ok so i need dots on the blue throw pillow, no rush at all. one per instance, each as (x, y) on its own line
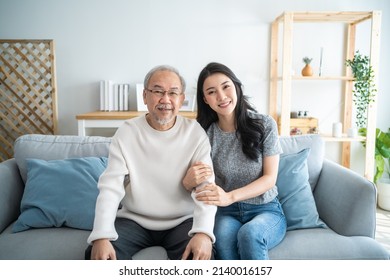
(60, 193)
(295, 193)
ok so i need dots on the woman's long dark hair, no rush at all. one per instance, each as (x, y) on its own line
(251, 130)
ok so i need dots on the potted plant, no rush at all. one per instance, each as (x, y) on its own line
(382, 166)
(307, 70)
(364, 93)
(364, 87)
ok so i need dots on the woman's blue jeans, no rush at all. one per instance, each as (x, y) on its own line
(247, 231)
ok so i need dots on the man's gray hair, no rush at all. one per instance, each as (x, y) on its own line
(164, 68)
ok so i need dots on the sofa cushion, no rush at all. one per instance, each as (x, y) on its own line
(50, 147)
(295, 193)
(325, 244)
(44, 244)
(294, 144)
(60, 193)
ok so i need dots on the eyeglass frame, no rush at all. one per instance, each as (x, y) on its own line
(160, 93)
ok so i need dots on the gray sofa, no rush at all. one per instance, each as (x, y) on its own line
(345, 203)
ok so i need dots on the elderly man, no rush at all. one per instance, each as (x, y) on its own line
(148, 159)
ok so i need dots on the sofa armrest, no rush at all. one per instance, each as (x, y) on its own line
(11, 192)
(346, 201)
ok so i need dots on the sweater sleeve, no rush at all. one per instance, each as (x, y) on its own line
(204, 215)
(111, 191)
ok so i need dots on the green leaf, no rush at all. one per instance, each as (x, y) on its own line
(380, 167)
(382, 151)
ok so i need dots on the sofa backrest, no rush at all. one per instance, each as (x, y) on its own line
(295, 144)
(50, 147)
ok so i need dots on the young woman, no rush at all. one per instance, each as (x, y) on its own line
(245, 153)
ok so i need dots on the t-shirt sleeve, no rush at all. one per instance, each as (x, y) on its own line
(271, 144)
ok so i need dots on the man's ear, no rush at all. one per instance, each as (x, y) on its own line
(144, 96)
(182, 98)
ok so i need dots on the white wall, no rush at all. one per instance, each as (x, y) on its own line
(122, 39)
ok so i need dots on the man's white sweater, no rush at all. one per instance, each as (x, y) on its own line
(154, 162)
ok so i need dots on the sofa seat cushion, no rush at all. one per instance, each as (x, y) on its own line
(151, 253)
(325, 244)
(57, 244)
(44, 244)
(60, 193)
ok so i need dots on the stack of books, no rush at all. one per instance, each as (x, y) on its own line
(113, 96)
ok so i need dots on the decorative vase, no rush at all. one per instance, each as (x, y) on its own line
(383, 186)
(307, 70)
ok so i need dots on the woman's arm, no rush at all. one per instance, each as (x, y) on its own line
(215, 195)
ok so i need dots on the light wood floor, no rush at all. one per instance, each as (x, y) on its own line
(383, 227)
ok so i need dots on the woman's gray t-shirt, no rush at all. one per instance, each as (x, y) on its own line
(233, 169)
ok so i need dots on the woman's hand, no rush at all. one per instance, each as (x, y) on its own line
(196, 174)
(214, 195)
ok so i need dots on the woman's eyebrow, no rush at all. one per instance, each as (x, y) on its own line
(221, 85)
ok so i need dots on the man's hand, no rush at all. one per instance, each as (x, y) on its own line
(196, 174)
(102, 249)
(200, 246)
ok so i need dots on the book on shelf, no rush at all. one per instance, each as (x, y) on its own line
(126, 90)
(114, 96)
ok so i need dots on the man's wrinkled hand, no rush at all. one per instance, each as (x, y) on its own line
(200, 246)
(102, 249)
(198, 173)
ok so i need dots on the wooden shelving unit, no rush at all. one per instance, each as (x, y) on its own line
(351, 20)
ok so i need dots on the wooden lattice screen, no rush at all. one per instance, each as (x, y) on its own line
(28, 98)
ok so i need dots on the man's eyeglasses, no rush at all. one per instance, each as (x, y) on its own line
(160, 93)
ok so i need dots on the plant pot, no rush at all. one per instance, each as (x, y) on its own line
(307, 70)
(383, 186)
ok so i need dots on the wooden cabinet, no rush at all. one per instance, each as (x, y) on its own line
(302, 125)
(283, 84)
(112, 119)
